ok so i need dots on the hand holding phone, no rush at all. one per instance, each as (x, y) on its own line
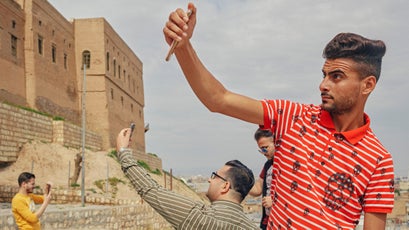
(175, 43)
(47, 188)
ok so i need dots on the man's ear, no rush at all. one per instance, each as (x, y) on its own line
(226, 187)
(368, 84)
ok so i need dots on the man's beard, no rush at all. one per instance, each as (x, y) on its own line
(337, 108)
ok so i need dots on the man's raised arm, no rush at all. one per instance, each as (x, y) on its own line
(207, 88)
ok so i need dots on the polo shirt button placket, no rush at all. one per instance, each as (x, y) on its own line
(328, 150)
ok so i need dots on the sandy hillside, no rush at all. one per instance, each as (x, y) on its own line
(53, 162)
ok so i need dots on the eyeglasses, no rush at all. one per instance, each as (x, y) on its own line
(263, 149)
(214, 174)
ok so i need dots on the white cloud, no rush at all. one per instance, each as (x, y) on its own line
(263, 49)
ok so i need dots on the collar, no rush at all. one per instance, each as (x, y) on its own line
(227, 204)
(352, 136)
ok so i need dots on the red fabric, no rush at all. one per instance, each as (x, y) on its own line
(323, 179)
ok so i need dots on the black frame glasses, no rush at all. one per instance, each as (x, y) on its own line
(214, 175)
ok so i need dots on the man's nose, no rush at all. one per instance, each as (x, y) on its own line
(324, 84)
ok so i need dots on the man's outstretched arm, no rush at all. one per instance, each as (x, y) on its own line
(206, 87)
(173, 207)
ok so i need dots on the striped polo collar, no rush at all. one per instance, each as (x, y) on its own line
(352, 136)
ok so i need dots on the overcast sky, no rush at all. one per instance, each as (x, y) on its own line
(262, 49)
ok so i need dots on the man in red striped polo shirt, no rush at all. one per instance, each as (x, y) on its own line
(329, 167)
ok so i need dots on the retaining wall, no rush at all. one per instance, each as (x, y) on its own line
(18, 126)
(65, 212)
(139, 216)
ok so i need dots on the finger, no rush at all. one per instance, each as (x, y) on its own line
(193, 9)
(171, 32)
(182, 14)
(179, 18)
(127, 132)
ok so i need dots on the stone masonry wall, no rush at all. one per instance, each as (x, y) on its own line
(125, 217)
(65, 212)
(18, 126)
(68, 134)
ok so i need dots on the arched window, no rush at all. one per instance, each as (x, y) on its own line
(86, 59)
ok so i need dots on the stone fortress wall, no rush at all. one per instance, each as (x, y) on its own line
(19, 126)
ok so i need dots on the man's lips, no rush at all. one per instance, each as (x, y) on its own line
(325, 96)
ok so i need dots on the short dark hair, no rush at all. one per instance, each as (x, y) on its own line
(25, 177)
(365, 52)
(240, 177)
(262, 133)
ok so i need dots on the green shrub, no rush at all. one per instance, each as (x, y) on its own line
(157, 172)
(113, 154)
(75, 185)
(144, 165)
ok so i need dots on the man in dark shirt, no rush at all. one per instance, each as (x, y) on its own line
(265, 142)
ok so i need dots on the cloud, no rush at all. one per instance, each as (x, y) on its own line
(263, 49)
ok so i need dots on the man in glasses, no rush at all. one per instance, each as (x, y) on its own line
(227, 188)
(262, 186)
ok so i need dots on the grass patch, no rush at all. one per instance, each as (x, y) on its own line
(157, 172)
(55, 118)
(113, 184)
(114, 155)
(75, 185)
(152, 154)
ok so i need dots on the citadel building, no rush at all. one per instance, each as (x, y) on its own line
(42, 59)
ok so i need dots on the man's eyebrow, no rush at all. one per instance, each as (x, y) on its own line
(333, 71)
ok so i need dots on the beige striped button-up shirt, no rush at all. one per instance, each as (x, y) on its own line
(179, 211)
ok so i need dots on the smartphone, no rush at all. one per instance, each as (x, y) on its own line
(132, 129)
(47, 189)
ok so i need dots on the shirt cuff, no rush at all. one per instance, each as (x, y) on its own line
(123, 153)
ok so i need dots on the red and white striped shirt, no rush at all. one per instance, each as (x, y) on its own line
(324, 179)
